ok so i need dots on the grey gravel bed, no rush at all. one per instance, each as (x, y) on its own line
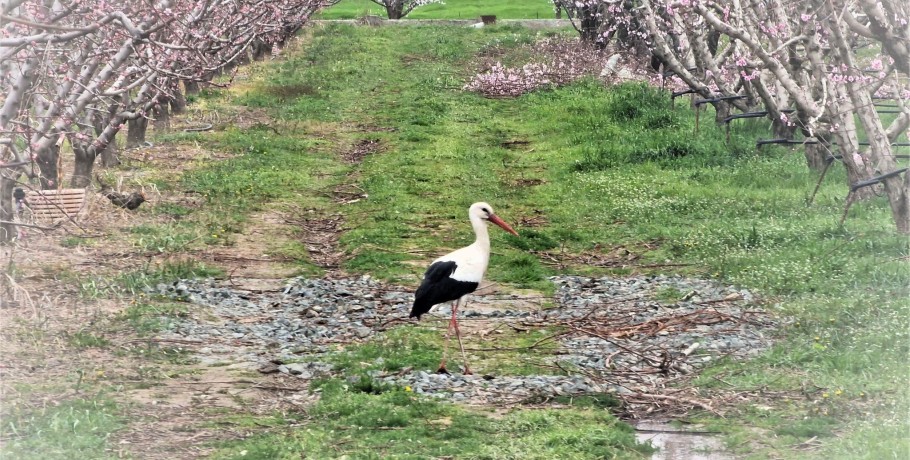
(622, 334)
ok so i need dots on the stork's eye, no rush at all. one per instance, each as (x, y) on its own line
(485, 210)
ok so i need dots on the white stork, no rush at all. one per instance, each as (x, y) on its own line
(453, 276)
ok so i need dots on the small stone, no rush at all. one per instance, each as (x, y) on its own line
(270, 368)
(306, 375)
(295, 368)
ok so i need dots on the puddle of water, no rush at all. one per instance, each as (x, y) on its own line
(680, 444)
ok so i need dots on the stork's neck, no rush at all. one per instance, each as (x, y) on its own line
(483, 236)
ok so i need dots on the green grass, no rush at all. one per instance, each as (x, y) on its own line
(392, 351)
(72, 429)
(75, 242)
(511, 352)
(147, 318)
(135, 282)
(612, 166)
(172, 210)
(452, 9)
(399, 424)
(168, 238)
(505, 353)
(84, 339)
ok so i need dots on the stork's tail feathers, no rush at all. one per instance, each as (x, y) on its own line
(419, 309)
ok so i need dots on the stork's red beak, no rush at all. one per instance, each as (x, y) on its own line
(496, 220)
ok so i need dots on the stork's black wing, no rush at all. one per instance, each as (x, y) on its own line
(438, 286)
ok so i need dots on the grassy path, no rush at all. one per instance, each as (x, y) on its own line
(601, 168)
(371, 126)
(452, 9)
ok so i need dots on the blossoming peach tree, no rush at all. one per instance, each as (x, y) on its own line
(817, 67)
(557, 61)
(398, 9)
(78, 71)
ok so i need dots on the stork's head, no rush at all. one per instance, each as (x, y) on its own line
(484, 211)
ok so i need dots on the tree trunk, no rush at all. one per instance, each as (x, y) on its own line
(858, 169)
(898, 191)
(721, 111)
(260, 50)
(658, 63)
(135, 133)
(782, 130)
(48, 161)
(816, 157)
(109, 153)
(589, 24)
(162, 116)
(109, 157)
(7, 207)
(394, 9)
(713, 41)
(228, 67)
(178, 103)
(857, 166)
(191, 87)
(85, 162)
(819, 154)
(243, 58)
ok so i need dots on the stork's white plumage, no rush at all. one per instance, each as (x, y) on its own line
(458, 273)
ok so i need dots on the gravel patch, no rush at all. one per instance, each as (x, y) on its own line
(652, 327)
(306, 317)
(621, 335)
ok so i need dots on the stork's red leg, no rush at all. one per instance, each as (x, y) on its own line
(464, 356)
(445, 348)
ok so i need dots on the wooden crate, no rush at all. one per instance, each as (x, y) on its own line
(55, 204)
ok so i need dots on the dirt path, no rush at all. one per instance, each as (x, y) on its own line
(65, 334)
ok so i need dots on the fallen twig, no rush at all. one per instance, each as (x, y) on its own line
(219, 382)
(529, 347)
(39, 227)
(181, 341)
(274, 388)
(690, 401)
